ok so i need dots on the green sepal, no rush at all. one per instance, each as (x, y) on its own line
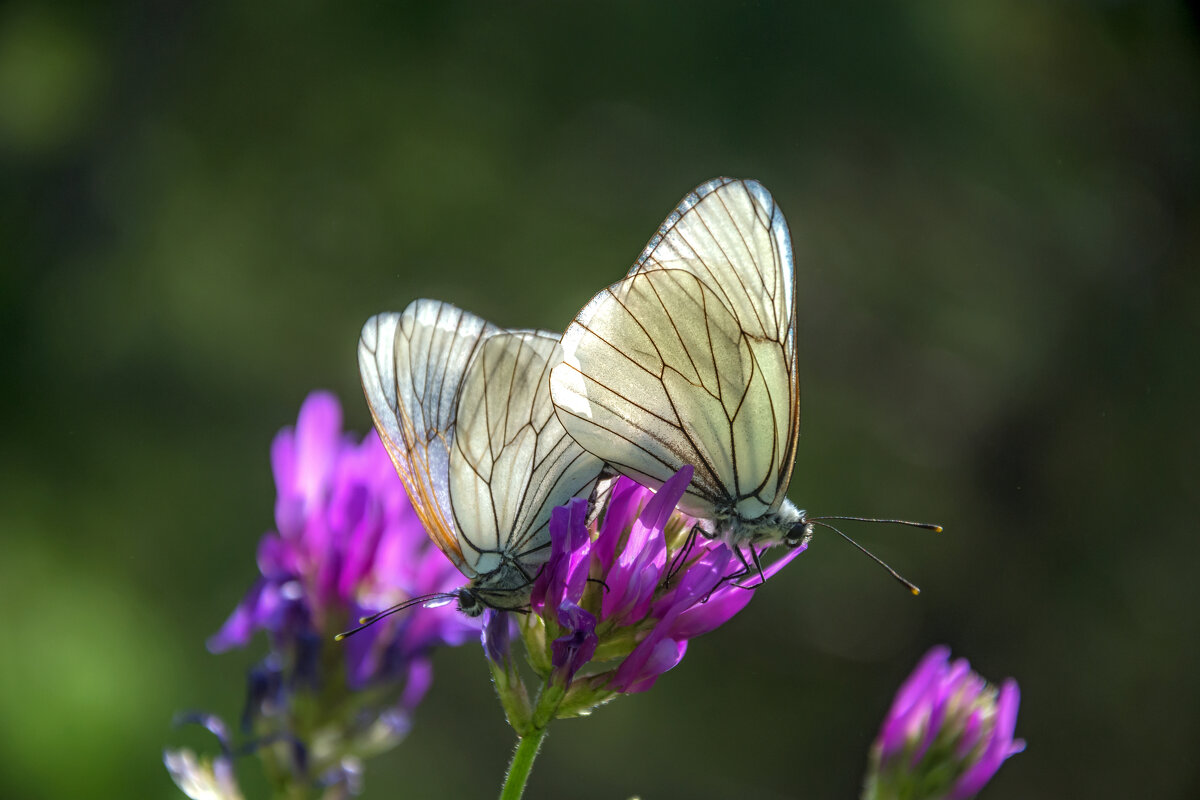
(514, 697)
(617, 646)
(537, 644)
(582, 699)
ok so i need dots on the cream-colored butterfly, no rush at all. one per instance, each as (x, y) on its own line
(464, 410)
(691, 359)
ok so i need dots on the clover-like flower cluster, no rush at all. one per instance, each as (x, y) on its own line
(347, 543)
(619, 600)
(628, 583)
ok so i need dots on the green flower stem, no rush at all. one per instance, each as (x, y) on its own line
(522, 764)
(530, 742)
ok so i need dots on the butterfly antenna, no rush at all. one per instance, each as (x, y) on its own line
(912, 587)
(371, 619)
(929, 526)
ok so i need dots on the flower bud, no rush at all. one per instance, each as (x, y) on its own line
(946, 735)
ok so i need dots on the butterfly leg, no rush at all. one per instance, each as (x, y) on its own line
(681, 556)
(750, 565)
(601, 582)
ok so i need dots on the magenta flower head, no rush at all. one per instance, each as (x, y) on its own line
(618, 601)
(347, 544)
(946, 735)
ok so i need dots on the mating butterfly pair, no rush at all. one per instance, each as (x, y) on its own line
(689, 359)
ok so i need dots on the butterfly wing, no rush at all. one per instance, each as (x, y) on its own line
(511, 461)
(692, 358)
(731, 235)
(412, 365)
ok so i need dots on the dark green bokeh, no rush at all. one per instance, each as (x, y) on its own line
(995, 214)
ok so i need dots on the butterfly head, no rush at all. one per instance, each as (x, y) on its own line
(799, 534)
(469, 602)
(785, 525)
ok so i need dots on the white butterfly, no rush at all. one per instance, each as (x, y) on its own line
(691, 359)
(464, 410)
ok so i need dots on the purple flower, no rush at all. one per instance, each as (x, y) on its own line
(946, 734)
(496, 635)
(347, 544)
(623, 598)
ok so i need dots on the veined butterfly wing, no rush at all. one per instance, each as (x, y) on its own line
(692, 357)
(411, 365)
(511, 461)
(731, 235)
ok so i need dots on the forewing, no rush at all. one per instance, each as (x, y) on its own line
(412, 365)
(658, 373)
(511, 461)
(731, 234)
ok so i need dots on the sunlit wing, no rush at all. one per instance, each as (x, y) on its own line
(731, 235)
(511, 460)
(658, 372)
(412, 365)
(632, 402)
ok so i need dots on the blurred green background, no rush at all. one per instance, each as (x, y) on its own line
(996, 219)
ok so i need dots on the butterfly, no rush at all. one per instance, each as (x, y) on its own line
(691, 359)
(463, 408)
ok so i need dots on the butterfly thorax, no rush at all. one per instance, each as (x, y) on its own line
(505, 588)
(785, 525)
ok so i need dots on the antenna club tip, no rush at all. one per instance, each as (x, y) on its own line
(339, 637)
(938, 529)
(915, 590)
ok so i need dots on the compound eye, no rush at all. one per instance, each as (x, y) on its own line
(468, 603)
(799, 535)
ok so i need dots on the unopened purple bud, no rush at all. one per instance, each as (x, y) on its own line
(946, 734)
